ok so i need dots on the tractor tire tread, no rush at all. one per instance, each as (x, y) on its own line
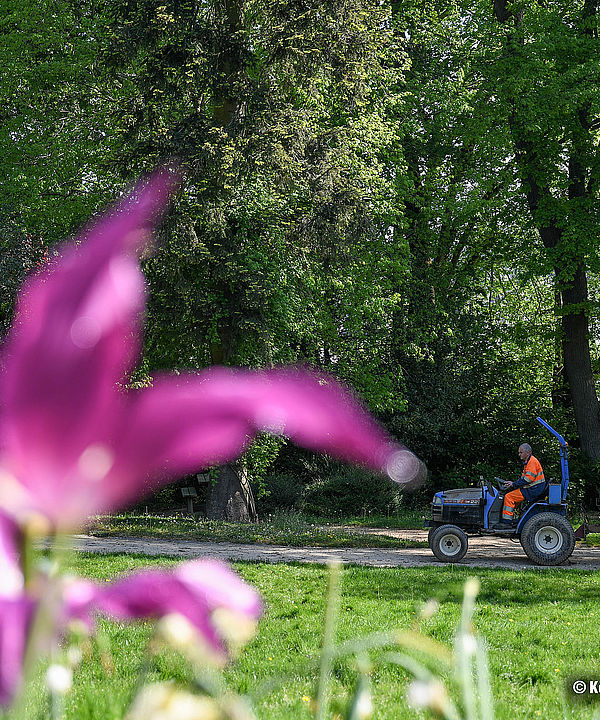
(436, 536)
(536, 554)
(432, 529)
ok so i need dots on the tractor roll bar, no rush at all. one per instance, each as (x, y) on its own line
(564, 463)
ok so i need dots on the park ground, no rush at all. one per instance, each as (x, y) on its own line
(540, 629)
(540, 626)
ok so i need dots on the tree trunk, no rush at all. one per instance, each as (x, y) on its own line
(578, 365)
(231, 496)
(559, 392)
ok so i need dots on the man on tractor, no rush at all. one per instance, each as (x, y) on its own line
(530, 486)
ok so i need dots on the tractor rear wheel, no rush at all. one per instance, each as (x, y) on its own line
(548, 539)
(448, 543)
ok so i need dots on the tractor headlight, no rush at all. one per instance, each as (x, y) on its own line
(437, 500)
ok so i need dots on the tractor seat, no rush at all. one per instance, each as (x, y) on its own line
(528, 503)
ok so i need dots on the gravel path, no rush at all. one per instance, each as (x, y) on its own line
(486, 552)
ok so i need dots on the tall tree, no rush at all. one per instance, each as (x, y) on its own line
(53, 134)
(53, 131)
(547, 70)
(278, 111)
(485, 212)
(469, 374)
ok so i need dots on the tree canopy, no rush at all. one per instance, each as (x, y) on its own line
(404, 194)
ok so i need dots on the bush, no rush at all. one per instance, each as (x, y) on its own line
(169, 498)
(322, 487)
(283, 493)
(348, 491)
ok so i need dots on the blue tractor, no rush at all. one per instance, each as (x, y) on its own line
(546, 535)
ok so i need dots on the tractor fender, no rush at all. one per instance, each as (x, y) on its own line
(537, 508)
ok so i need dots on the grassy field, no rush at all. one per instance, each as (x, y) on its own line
(402, 520)
(593, 540)
(285, 529)
(541, 627)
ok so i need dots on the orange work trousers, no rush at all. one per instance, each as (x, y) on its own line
(511, 500)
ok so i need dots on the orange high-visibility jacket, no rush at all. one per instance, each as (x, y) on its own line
(532, 481)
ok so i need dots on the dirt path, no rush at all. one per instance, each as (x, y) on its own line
(483, 552)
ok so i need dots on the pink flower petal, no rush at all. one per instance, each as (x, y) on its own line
(220, 586)
(72, 444)
(187, 423)
(15, 618)
(64, 601)
(75, 335)
(78, 598)
(189, 590)
(11, 577)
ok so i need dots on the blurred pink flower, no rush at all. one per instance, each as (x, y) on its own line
(11, 577)
(16, 614)
(72, 443)
(192, 589)
(16, 610)
(195, 590)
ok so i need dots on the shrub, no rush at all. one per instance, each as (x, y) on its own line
(347, 491)
(284, 492)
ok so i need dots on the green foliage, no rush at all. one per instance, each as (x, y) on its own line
(283, 492)
(347, 494)
(20, 253)
(345, 491)
(53, 133)
(277, 252)
(400, 194)
(259, 457)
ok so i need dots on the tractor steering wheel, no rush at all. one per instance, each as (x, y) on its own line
(498, 483)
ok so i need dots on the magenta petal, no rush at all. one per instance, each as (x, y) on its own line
(72, 444)
(312, 410)
(168, 430)
(153, 594)
(186, 423)
(78, 601)
(220, 586)
(11, 577)
(75, 601)
(15, 618)
(75, 335)
(189, 590)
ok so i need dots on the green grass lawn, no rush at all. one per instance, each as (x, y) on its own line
(401, 520)
(592, 540)
(284, 529)
(541, 627)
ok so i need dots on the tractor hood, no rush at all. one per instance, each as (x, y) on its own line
(462, 496)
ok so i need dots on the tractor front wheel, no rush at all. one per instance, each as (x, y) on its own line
(548, 539)
(432, 529)
(448, 543)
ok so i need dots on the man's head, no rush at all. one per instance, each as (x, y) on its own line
(524, 451)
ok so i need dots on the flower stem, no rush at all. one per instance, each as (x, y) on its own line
(328, 651)
(57, 705)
